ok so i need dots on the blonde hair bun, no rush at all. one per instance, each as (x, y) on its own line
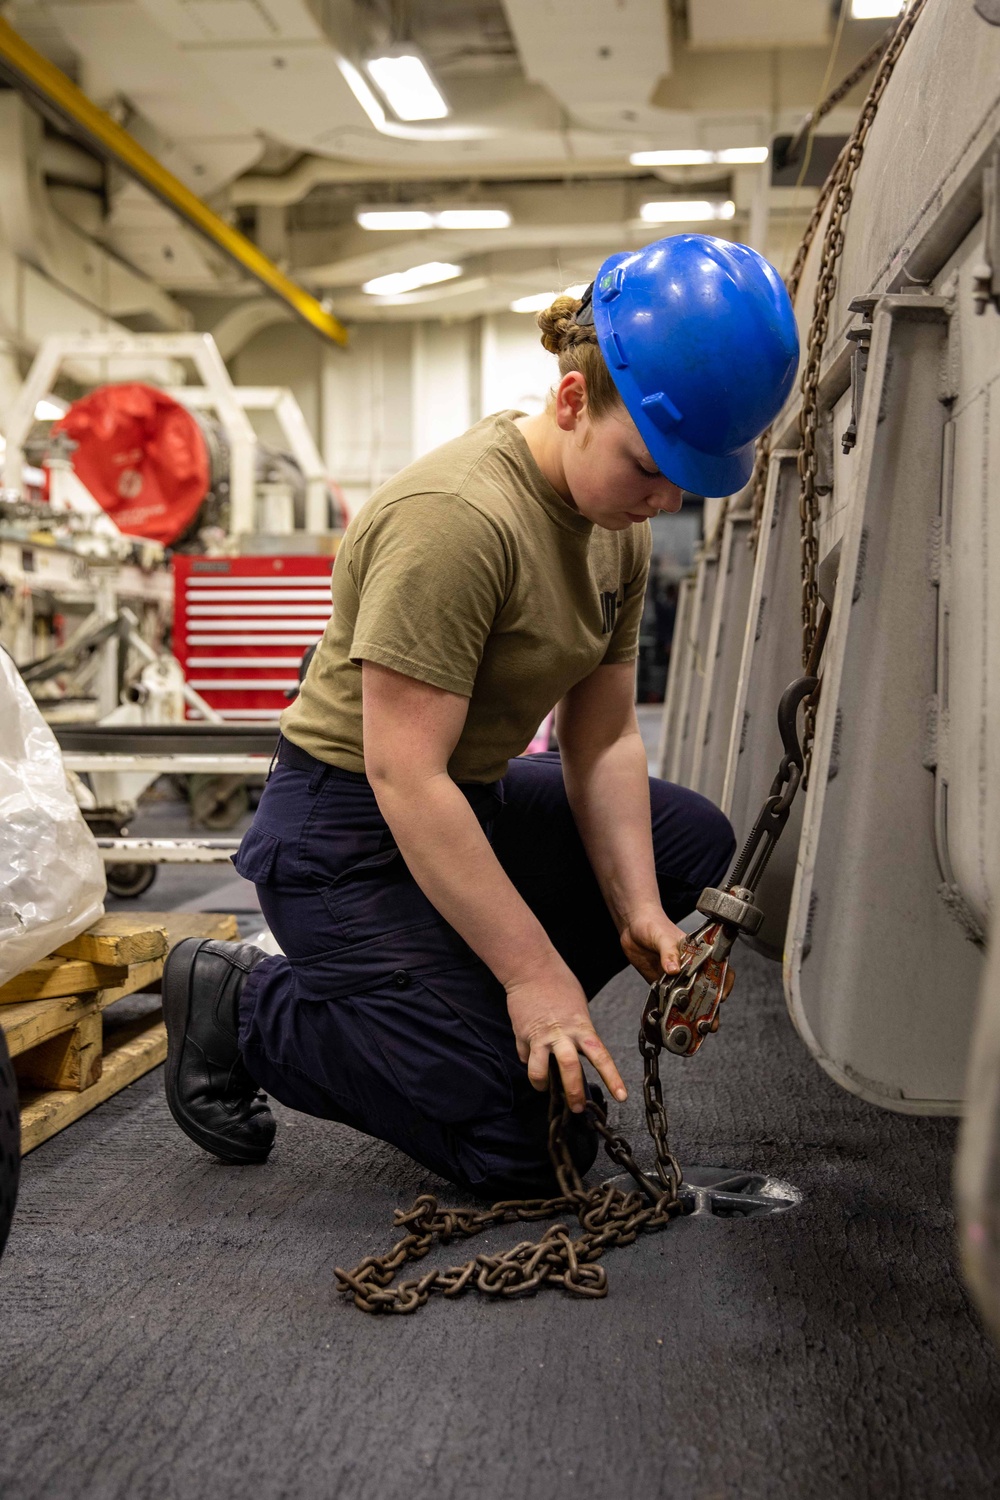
(578, 349)
(558, 324)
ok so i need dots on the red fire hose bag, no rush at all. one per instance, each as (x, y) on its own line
(142, 457)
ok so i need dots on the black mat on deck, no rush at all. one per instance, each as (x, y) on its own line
(169, 1326)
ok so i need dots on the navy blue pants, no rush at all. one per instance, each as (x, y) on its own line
(379, 1015)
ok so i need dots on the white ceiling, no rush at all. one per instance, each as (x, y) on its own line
(758, 23)
(600, 59)
(247, 102)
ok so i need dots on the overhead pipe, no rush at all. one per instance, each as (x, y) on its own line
(281, 189)
(46, 85)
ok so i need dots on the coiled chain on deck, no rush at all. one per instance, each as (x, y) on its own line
(608, 1216)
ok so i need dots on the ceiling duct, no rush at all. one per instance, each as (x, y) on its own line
(601, 59)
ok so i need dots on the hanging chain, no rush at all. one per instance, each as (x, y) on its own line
(833, 98)
(758, 480)
(840, 182)
(758, 487)
(607, 1214)
(842, 190)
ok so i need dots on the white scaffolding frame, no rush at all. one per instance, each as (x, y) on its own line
(199, 348)
(288, 414)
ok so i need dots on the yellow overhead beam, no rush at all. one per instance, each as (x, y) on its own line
(35, 76)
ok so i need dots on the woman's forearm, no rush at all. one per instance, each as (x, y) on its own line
(608, 791)
(450, 858)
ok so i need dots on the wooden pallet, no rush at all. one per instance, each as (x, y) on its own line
(64, 1064)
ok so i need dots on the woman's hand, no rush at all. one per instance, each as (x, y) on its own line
(651, 943)
(550, 1017)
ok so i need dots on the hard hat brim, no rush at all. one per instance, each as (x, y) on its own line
(707, 474)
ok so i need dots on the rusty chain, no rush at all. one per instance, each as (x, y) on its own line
(833, 98)
(839, 182)
(608, 1215)
(840, 195)
(758, 479)
(758, 487)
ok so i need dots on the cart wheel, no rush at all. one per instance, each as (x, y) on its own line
(10, 1142)
(129, 880)
(218, 802)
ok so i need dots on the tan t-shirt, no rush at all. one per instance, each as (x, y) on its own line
(468, 571)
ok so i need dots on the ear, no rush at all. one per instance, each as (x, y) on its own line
(571, 401)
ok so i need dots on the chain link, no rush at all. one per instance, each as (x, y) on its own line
(833, 98)
(758, 480)
(608, 1215)
(838, 187)
(841, 192)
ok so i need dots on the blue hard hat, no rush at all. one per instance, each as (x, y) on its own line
(700, 339)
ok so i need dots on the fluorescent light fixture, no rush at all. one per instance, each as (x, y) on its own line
(410, 217)
(683, 211)
(539, 301)
(738, 156)
(50, 409)
(472, 218)
(408, 281)
(403, 80)
(361, 91)
(394, 218)
(870, 10)
(672, 158)
(733, 156)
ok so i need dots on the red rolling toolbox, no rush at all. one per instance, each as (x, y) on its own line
(241, 625)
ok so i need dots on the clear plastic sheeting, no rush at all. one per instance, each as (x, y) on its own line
(52, 882)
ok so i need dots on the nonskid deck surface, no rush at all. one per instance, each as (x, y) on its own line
(170, 1326)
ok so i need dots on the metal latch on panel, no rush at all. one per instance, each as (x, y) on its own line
(986, 274)
(861, 338)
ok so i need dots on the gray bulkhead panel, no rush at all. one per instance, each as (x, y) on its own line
(977, 1188)
(872, 951)
(938, 118)
(771, 659)
(892, 872)
(724, 650)
(964, 717)
(693, 687)
(680, 662)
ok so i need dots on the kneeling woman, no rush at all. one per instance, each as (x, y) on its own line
(445, 906)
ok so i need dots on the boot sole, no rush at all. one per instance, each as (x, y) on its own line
(176, 1009)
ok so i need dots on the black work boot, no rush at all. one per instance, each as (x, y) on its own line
(210, 1093)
